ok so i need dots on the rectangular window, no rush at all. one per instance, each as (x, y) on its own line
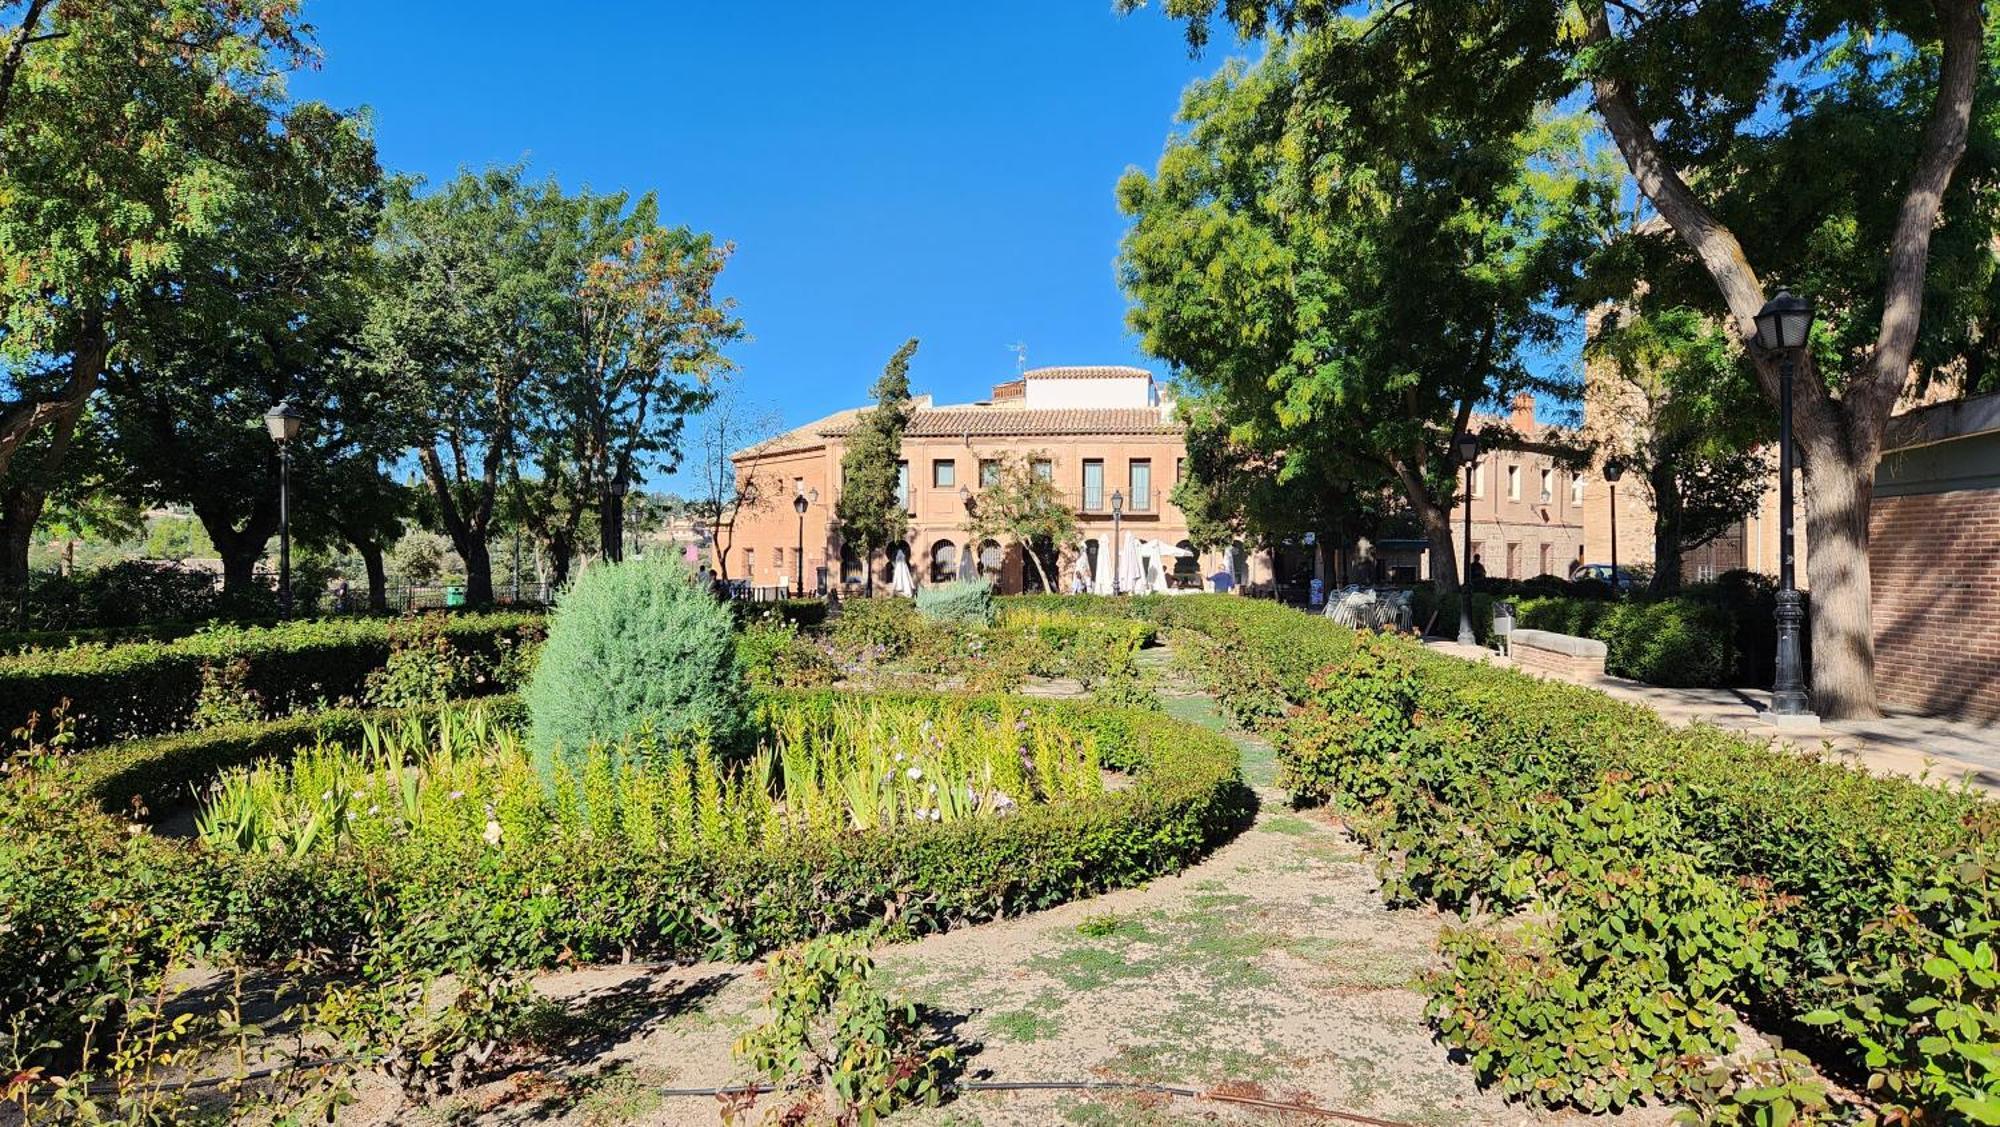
(749, 563)
(1479, 480)
(1142, 484)
(944, 474)
(1180, 469)
(1513, 561)
(1513, 483)
(1548, 486)
(1576, 491)
(1093, 485)
(1548, 557)
(903, 483)
(778, 560)
(989, 473)
(1045, 469)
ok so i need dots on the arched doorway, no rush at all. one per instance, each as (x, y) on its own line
(1187, 569)
(944, 562)
(851, 572)
(992, 558)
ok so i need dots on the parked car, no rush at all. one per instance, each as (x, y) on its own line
(1603, 573)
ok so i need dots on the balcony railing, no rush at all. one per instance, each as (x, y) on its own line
(1091, 502)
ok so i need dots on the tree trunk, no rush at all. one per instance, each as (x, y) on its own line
(561, 554)
(239, 561)
(1666, 532)
(378, 575)
(1840, 616)
(478, 571)
(1436, 522)
(1028, 549)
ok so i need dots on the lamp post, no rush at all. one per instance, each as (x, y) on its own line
(1117, 519)
(1613, 470)
(1783, 327)
(1465, 448)
(801, 502)
(283, 423)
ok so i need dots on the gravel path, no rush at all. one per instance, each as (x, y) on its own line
(1271, 968)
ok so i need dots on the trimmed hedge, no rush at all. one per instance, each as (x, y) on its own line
(596, 901)
(1653, 863)
(149, 688)
(1671, 642)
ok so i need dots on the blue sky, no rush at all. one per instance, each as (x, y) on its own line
(886, 169)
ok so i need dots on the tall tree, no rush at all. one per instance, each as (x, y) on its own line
(1024, 506)
(267, 307)
(126, 127)
(1341, 290)
(870, 509)
(1811, 142)
(1676, 402)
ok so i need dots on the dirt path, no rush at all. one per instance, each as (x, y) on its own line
(1272, 967)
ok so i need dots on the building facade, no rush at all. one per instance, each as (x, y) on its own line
(1528, 510)
(1095, 431)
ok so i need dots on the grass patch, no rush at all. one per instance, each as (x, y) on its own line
(1025, 1025)
(1286, 824)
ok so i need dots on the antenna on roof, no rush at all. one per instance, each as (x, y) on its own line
(1020, 351)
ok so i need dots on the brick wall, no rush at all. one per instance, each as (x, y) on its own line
(1935, 563)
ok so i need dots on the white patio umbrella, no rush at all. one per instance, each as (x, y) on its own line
(1131, 568)
(902, 582)
(1102, 583)
(968, 562)
(1080, 566)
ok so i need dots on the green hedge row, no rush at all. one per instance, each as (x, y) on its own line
(147, 688)
(598, 901)
(1673, 642)
(1647, 876)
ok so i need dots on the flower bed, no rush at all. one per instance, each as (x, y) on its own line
(138, 689)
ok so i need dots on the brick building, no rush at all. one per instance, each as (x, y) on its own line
(1095, 431)
(1934, 560)
(1527, 509)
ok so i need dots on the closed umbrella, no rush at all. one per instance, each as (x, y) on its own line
(968, 563)
(1131, 569)
(1102, 585)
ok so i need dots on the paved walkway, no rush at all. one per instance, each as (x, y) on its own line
(1909, 745)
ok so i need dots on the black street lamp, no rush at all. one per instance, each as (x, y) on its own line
(800, 503)
(1613, 470)
(1783, 327)
(1465, 449)
(283, 423)
(1117, 518)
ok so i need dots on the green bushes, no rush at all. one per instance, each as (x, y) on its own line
(1672, 642)
(636, 647)
(148, 688)
(964, 602)
(595, 896)
(1646, 875)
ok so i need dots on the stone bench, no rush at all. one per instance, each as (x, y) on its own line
(1561, 654)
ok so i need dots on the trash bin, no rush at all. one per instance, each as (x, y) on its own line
(454, 596)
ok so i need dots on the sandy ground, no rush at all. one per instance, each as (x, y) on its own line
(1271, 968)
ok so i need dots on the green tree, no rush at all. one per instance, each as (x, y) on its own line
(871, 509)
(1690, 423)
(129, 130)
(1812, 143)
(1340, 290)
(268, 307)
(1023, 506)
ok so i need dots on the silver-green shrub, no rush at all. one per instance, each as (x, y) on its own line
(636, 648)
(965, 602)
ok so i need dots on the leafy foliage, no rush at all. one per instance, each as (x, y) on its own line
(1022, 505)
(836, 1043)
(636, 648)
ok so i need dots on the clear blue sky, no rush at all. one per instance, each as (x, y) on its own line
(886, 169)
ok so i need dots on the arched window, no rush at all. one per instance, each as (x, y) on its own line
(991, 558)
(1239, 559)
(944, 562)
(850, 565)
